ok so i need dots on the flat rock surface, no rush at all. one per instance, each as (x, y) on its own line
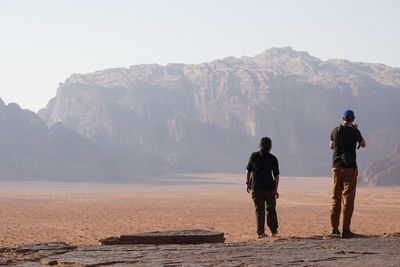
(167, 237)
(314, 251)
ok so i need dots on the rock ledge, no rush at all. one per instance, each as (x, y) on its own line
(292, 251)
(167, 237)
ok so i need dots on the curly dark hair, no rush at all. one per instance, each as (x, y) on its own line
(265, 145)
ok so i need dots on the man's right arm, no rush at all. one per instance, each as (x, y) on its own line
(362, 143)
(276, 186)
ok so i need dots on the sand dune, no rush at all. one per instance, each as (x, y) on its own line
(84, 213)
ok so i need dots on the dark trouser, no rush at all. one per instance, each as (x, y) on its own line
(344, 183)
(265, 200)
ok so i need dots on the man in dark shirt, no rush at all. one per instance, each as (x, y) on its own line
(262, 179)
(344, 172)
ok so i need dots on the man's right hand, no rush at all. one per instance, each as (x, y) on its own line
(362, 144)
(248, 190)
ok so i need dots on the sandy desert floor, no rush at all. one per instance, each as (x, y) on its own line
(33, 212)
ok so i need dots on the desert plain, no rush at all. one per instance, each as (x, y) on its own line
(82, 213)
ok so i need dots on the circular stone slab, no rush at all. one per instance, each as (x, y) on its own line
(167, 237)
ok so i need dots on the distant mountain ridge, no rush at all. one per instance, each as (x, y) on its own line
(31, 151)
(384, 171)
(152, 120)
(210, 116)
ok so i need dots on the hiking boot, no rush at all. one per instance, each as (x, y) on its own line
(347, 234)
(263, 235)
(335, 231)
(274, 233)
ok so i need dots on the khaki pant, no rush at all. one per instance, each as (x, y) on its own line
(265, 201)
(344, 182)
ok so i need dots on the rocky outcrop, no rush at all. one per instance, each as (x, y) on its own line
(210, 116)
(383, 172)
(317, 251)
(167, 237)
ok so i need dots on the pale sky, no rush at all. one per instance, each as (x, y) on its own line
(43, 42)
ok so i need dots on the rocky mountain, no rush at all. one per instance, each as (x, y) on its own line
(31, 151)
(383, 172)
(210, 116)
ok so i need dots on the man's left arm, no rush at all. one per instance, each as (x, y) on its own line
(248, 181)
(331, 144)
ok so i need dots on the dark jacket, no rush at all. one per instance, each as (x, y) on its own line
(345, 138)
(263, 169)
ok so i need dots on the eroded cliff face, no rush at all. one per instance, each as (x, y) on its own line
(209, 117)
(384, 171)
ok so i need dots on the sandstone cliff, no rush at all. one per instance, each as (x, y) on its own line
(210, 116)
(383, 172)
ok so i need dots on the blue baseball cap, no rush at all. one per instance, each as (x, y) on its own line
(349, 114)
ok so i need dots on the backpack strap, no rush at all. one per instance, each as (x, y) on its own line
(340, 135)
(340, 138)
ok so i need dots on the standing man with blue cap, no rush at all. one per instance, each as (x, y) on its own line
(344, 139)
